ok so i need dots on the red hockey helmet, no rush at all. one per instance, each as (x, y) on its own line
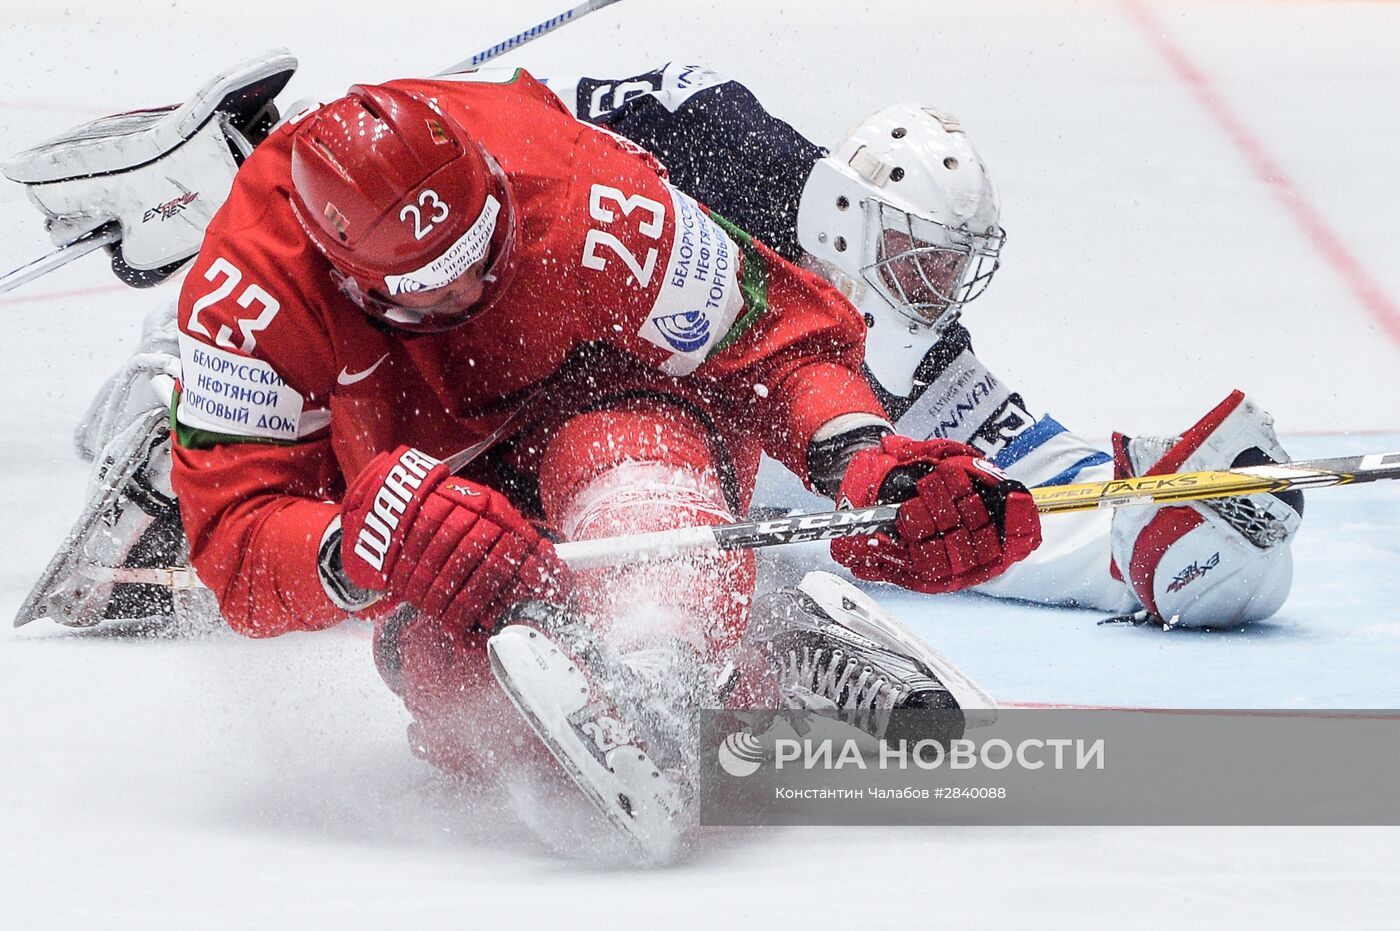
(414, 216)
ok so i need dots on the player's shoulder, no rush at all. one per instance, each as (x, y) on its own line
(500, 92)
(255, 236)
(257, 354)
(262, 186)
(254, 304)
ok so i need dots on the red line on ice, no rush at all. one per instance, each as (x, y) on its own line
(47, 106)
(1324, 239)
(58, 295)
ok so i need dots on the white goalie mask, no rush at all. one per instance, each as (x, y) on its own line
(906, 222)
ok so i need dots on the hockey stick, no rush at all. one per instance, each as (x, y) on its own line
(1054, 499)
(1221, 483)
(529, 35)
(828, 525)
(88, 242)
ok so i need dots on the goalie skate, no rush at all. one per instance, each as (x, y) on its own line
(590, 738)
(126, 554)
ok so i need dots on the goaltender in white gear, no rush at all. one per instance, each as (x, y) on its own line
(903, 217)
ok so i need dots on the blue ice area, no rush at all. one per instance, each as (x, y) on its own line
(1334, 644)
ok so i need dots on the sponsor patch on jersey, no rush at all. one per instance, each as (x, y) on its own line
(963, 398)
(699, 298)
(469, 249)
(686, 331)
(226, 393)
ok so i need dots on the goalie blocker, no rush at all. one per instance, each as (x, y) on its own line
(174, 167)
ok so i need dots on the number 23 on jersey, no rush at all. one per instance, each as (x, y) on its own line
(603, 244)
(252, 296)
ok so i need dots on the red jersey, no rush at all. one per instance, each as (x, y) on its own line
(617, 282)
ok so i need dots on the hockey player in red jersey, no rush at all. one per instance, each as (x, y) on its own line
(424, 267)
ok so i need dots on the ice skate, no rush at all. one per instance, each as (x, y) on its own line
(572, 694)
(837, 653)
(126, 556)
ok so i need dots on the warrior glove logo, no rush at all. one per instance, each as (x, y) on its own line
(390, 503)
(686, 331)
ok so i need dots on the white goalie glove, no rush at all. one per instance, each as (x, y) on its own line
(1216, 564)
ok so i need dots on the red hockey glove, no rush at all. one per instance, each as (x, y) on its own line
(453, 549)
(962, 520)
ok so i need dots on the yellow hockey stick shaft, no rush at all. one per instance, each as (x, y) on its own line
(1221, 483)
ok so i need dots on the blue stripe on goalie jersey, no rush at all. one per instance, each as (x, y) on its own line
(1072, 473)
(1048, 454)
(1040, 433)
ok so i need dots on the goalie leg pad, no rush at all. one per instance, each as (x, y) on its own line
(144, 383)
(117, 561)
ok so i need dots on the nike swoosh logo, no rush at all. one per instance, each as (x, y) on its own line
(345, 378)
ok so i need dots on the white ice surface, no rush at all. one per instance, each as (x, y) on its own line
(226, 783)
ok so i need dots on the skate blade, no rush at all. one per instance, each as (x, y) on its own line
(546, 688)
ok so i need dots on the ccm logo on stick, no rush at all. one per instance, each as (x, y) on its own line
(390, 502)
